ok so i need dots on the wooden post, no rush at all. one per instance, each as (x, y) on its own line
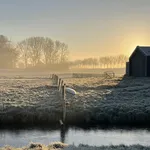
(63, 133)
(64, 102)
(61, 87)
(62, 90)
(59, 84)
(52, 77)
(57, 79)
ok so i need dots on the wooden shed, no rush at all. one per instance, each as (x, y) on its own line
(139, 62)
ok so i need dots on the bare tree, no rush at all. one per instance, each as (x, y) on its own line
(48, 50)
(121, 60)
(24, 50)
(102, 62)
(35, 45)
(63, 53)
(8, 54)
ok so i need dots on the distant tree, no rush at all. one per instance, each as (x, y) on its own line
(56, 56)
(21, 65)
(63, 53)
(35, 46)
(8, 53)
(77, 63)
(43, 51)
(121, 60)
(101, 62)
(114, 61)
(23, 48)
(48, 50)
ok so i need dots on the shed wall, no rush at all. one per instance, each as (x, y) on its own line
(127, 69)
(138, 64)
(148, 66)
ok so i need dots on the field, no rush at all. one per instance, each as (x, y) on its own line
(117, 101)
(30, 99)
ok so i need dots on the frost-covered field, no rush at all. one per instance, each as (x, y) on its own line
(28, 100)
(31, 99)
(122, 100)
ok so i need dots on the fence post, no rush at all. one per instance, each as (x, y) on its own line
(59, 84)
(55, 79)
(62, 90)
(52, 77)
(64, 101)
(61, 87)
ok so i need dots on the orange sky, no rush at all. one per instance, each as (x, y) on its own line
(116, 45)
(91, 28)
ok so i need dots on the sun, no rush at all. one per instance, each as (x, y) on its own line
(134, 41)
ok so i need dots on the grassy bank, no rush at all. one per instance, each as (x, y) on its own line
(118, 101)
(120, 147)
(35, 146)
(58, 145)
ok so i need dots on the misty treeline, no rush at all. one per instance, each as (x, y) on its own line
(8, 53)
(118, 61)
(45, 53)
(33, 52)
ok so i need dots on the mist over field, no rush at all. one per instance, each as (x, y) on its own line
(40, 53)
(80, 67)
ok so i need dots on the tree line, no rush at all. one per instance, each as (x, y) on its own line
(33, 52)
(118, 61)
(43, 52)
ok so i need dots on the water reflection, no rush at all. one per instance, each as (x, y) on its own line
(63, 134)
(76, 136)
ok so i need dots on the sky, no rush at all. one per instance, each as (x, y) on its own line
(91, 28)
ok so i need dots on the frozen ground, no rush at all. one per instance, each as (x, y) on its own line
(24, 100)
(120, 100)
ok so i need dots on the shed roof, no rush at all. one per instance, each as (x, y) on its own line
(145, 50)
